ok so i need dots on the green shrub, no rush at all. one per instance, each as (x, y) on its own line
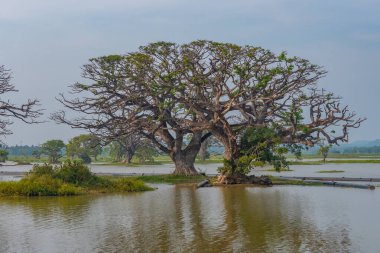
(69, 190)
(39, 186)
(75, 172)
(70, 178)
(130, 185)
(9, 188)
(39, 170)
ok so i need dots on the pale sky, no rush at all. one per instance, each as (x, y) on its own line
(45, 42)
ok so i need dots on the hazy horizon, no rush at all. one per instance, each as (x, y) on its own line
(45, 43)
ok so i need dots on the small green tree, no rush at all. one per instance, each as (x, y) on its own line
(83, 146)
(36, 153)
(116, 151)
(146, 153)
(124, 148)
(53, 149)
(324, 151)
(3, 155)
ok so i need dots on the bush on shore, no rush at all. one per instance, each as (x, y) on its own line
(70, 178)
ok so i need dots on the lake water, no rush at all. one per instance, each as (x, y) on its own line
(350, 170)
(186, 219)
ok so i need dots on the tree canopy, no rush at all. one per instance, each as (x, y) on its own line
(53, 149)
(168, 92)
(84, 145)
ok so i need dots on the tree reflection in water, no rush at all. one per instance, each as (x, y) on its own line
(172, 219)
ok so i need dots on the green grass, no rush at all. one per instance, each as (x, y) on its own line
(178, 179)
(353, 161)
(281, 170)
(332, 155)
(27, 159)
(71, 178)
(38, 186)
(305, 163)
(333, 161)
(280, 181)
(171, 179)
(127, 165)
(330, 171)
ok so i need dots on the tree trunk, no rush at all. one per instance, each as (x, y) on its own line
(184, 159)
(128, 156)
(185, 167)
(231, 154)
(231, 149)
(202, 151)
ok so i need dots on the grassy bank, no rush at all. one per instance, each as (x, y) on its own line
(178, 179)
(71, 178)
(280, 170)
(340, 156)
(341, 161)
(171, 179)
(353, 161)
(133, 164)
(280, 181)
(330, 171)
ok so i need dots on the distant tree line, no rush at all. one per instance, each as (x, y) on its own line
(88, 147)
(356, 150)
(23, 150)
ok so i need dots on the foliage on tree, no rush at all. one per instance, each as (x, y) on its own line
(324, 151)
(84, 146)
(23, 150)
(116, 151)
(259, 146)
(168, 92)
(3, 155)
(53, 149)
(126, 147)
(146, 153)
(37, 153)
(8, 110)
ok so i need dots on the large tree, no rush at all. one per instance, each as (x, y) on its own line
(169, 92)
(121, 101)
(8, 110)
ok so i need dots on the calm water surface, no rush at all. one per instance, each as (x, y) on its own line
(183, 219)
(350, 169)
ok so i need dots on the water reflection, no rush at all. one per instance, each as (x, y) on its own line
(184, 219)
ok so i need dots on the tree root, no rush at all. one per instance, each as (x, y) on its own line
(243, 179)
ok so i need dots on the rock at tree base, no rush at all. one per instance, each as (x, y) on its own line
(205, 183)
(243, 179)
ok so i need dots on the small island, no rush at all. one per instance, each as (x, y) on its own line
(70, 178)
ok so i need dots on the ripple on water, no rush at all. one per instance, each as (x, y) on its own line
(185, 219)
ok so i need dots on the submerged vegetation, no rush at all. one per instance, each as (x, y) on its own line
(279, 170)
(70, 178)
(171, 179)
(330, 171)
(282, 181)
(182, 179)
